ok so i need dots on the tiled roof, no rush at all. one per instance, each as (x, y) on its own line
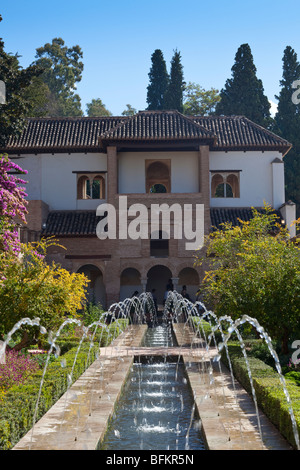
(153, 125)
(84, 223)
(62, 134)
(240, 132)
(93, 134)
(71, 223)
(219, 216)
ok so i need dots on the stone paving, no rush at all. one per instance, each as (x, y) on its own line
(78, 420)
(227, 412)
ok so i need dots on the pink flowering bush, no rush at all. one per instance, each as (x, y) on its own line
(12, 203)
(16, 369)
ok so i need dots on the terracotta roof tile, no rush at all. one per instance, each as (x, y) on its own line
(89, 134)
(62, 134)
(239, 132)
(219, 216)
(154, 125)
(84, 223)
(71, 223)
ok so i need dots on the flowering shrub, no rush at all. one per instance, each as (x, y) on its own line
(12, 203)
(16, 369)
(31, 288)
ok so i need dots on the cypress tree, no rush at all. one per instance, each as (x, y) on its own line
(17, 80)
(243, 94)
(159, 81)
(174, 93)
(287, 121)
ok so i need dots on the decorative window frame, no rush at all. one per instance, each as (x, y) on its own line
(162, 178)
(230, 177)
(87, 176)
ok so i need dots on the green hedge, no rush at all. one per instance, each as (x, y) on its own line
(18, 406)
(206, 329)
(268, 389)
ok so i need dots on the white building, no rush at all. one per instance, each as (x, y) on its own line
(229, 164)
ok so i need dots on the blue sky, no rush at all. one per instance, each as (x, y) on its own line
(118, 38)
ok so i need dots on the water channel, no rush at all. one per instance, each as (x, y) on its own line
(156, 409)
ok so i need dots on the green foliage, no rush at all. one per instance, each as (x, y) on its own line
(174, 94)
(268, 390)
(31, 288)
(18, 404)
(287, 124)
(204, 329)
(62, 70)
(17, 408)
(17, 80)
(92, 313)
(158, 82)
(294, 376)
(243, 94)
(198, 101)
(254, 269)
(129, 111)
(97, 108)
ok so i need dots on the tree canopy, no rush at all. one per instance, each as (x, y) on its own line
(287, 123)
(17, 80)
(97, 108)
(254, 269)
(158, 82)
(243, 94)
(29, 286)
(129, 111)
(198, 101)
(174, 94)
(62, 70)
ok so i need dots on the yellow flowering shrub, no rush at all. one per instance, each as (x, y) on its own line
(31, 288)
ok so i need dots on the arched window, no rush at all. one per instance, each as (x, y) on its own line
(158, 176)
(90, 186)
(225, 185)
(98, 187)
(223, 190)
(83, 188)
(158, 188)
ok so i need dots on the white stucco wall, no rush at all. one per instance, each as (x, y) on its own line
(33, 164)
(51, 178)
(184, 171)
(256, 178)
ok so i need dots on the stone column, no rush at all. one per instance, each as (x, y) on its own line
(112, 174)
(175, 283)
(288, 212)
(278, 183)
(112, 283)
(204, 184)
(203, 159)
(144, 284)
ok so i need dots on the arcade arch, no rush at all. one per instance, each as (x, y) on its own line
(130, 281)
(158, 278)
(96, 292)
(189, 277)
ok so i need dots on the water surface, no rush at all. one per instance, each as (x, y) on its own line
(155, 411)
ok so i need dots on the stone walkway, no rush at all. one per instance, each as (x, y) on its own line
(227, 412)
(79, 419)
